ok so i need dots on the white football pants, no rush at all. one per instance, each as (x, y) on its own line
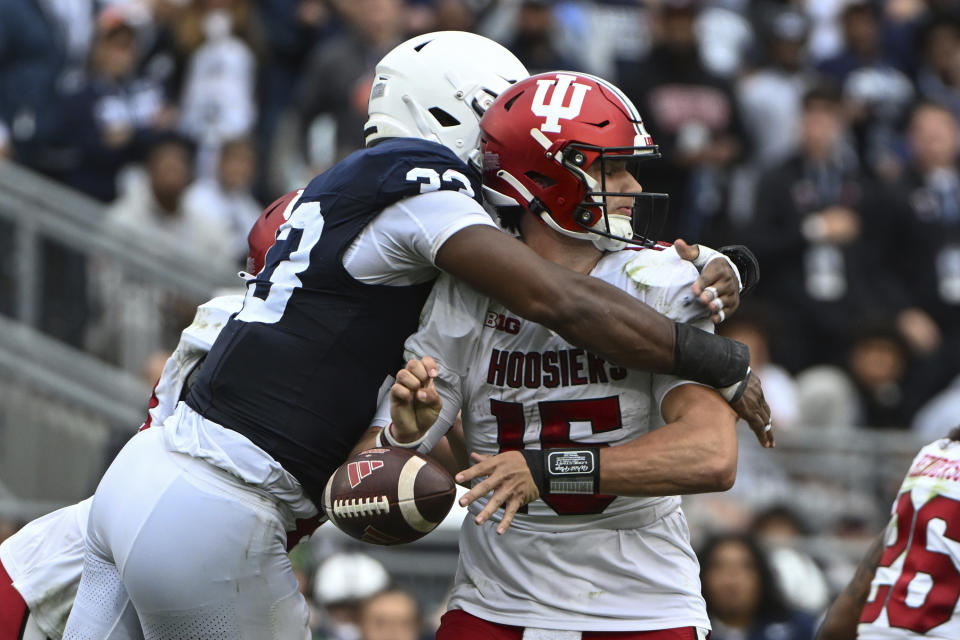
(194, 550)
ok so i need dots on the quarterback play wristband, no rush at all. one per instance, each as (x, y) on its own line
(565, 471)
(386, 437)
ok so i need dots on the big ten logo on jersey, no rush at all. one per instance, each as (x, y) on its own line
(549, 369)
(357, 471)
(502, 322)
(431, 180)
(554, 110)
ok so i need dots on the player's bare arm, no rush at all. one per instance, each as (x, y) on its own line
(586, 311)
(695, 452)
(842, 618)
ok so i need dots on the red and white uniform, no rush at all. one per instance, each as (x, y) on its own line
(916, 590)
(577, 563)
(45, 558)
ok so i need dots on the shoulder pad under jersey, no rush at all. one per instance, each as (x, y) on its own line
(405, 167)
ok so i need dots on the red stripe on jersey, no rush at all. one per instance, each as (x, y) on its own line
(460, 625)
(154, 402)
(659, 246)
(13, 609)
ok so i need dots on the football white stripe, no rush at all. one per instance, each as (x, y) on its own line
(407, 498)
(327, 490)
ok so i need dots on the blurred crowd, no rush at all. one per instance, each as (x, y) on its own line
(823, 134)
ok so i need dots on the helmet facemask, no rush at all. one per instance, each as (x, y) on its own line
(613, 231)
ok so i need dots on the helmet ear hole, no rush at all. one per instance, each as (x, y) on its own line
(444, 118)
(541, 180)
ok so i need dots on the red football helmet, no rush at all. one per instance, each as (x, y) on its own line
(263, 233)
(542, 134)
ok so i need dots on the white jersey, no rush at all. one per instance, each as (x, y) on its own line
(45, 558)
(916, 590)
(588, 563)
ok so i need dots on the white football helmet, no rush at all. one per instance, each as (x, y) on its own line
(437, 86)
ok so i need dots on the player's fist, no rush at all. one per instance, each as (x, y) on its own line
(414, 402)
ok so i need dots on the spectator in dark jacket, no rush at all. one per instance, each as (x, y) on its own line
(927, 203)
(111, 111)
(743, 600)
(31, 60)
(692, 115)
(821, 236)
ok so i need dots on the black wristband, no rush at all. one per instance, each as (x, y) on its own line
(746, 263)
(534, 458)
(573, 471)
(711, 360)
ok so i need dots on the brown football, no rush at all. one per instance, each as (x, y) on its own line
(388, 496)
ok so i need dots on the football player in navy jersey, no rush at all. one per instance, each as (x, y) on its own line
(187, 523)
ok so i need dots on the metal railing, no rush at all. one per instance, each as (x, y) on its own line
(64, 407)
(148, 269)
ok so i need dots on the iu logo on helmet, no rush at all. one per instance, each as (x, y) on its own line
(357, 471)
(555, 109)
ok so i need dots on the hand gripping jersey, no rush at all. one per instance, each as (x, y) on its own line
(297, 370)
(916, 590)
(45, 558)
(587, 563)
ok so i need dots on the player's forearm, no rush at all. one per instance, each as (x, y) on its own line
(588, 312)
(842, 618)
(677, 459)
(367, 441)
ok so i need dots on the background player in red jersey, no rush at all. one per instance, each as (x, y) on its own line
(585, 457)
(908, 584)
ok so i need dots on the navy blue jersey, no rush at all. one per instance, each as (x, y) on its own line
(298, 368)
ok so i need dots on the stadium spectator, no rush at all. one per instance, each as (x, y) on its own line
(751, 326)
(391, 614)
(218, 90)
(111, 110)
(743, 599)
(781, 531)
(875, 92)
(878, 364)
(771, 96)
(341, 585)
(692, 115)
(291, 29)
(820, 233)
(224, 200)
(152, 202)
(325, 121)
(927, 202)
(938, 78)
(533, 38)
(32, 55)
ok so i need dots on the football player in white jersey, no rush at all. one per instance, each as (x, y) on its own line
(908, 584)
(586, 457)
